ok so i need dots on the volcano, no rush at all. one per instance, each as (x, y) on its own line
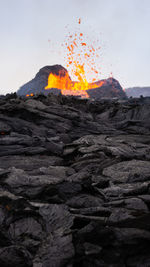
(55, 79)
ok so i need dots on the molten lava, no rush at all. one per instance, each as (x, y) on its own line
(29, 95)
(69, 87)
(79, 55)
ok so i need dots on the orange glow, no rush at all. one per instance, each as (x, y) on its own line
(69, 87)
(80, 56)
(30, 95)
(59, 81)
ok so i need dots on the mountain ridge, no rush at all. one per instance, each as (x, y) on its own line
(138, 91)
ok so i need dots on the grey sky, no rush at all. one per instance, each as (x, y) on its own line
(123, 28)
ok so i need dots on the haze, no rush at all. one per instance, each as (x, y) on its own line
(32, 32)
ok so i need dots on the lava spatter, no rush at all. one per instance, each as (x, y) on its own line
(80, 61)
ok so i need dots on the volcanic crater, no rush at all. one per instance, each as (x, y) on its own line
(56, 79)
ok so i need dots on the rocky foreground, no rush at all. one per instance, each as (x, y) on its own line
(74, 182)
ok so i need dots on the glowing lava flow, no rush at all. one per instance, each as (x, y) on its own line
(79, 56)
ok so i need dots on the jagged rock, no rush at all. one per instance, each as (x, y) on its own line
(128, 171)
(74, 181)
(57, 249)
(84, 201)
(15, 256)
(29, 163)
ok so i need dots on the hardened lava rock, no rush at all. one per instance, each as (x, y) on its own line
(74, 182)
